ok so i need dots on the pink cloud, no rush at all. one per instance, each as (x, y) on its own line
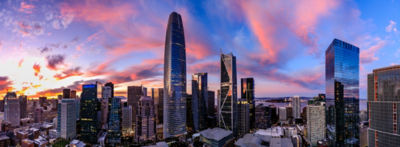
(26, 8)
(369, 55)
(36, 68)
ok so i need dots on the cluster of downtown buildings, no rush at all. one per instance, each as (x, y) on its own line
(169, 115)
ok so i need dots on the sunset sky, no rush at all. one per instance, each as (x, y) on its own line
(49, 45)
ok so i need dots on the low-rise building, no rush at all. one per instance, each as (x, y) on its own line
(216, 137)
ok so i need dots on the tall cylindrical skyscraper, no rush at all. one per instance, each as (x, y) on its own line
(174, 78)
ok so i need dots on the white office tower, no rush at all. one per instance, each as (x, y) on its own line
(315, 123)
(67, 124)
(282, 114)
(12, 109)
(296, 107)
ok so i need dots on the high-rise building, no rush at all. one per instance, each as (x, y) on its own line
(263, 117)
(38, 115)
(66, 93)
(174, 78)
(228, 95)
(114, 121)
(247, 93)
(342, 66)
(145, 120)
(89, 109)
(384, 107)
(66, 119)
(199, 101)
(23, 101)
(316, 127)
(42, 101)
(126, 123)
(12, 109)
(243, 124)
(111, 85)
(134, 94)
(73, 94)
(296, 107)
(157, 94)
(212, 117)
(189, 115)
(107, 95)
(282, 115)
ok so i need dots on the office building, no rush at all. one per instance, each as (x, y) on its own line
(126, 123)
(134, 94)
(212, 120)
(199, 101)
(66, 93)
(247, 92)
(38, 115)
(111, 85)
(73, 94)
(66, 119)
(296, 107)
(114, 121)
(12, 109)
(384, 107)
(89, 109)
(227, 115)
(23, 102)
(174, 78)
(157, 94)
(263, 117)
(316, 126)
(145, 121)
(342, 67)
(189, 115)
(282, 115)
(42, 101)
(107, 95)
(243, 123)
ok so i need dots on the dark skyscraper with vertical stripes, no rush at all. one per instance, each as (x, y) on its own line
(342, 66)
(174, 78)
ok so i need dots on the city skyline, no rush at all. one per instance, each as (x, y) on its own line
(50, 48)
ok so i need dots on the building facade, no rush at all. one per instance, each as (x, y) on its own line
(199, 101)
(89, 109)
(114, 131)
(316, 126)
(263, 117)
(12, 109)
(66, 119)
(134, 94)
(174, 78)
(243, 117)
(342, 68)
(384, 106)
(296, 107)
(227, 115)
(145, 121)
(157, 94)
(23, 102)
(126, 123)
(247, 92)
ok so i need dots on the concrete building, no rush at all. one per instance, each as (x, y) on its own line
(316, 126)
(282, 115)
(296, 107)
(66, 119)
(126, 120)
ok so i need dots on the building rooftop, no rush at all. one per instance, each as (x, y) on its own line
(215, 133)
(280, 142)
(249, 140)
(273, 132)
(4, 137)
(159, 144)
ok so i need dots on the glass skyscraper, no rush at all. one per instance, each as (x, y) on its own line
(342, 68)
(199, 100)
(174, 78)
(384, 107)
(89, 123)
(114, 132)
(247, 91)
(227, 116)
